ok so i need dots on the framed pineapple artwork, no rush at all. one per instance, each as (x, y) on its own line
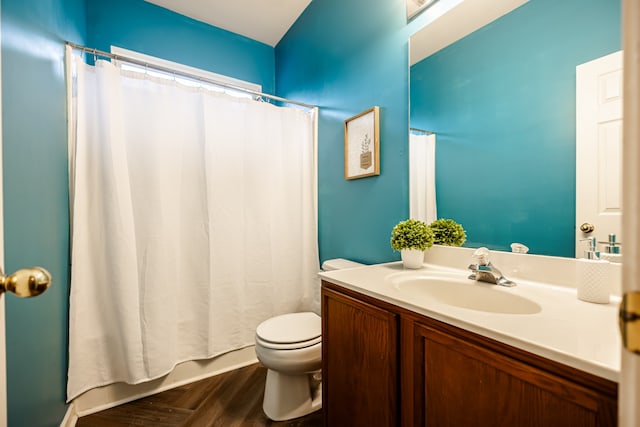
(362, 144)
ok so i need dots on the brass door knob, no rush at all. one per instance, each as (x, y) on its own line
(629, 320)
(28, 282)
(587, 227)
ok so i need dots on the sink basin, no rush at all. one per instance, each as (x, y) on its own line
(461, 292)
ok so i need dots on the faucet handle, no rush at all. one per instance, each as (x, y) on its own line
(482, 256)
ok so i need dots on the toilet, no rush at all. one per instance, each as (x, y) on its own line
(290, 347)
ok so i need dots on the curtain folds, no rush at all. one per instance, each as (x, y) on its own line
(194, 219)
(422, 177)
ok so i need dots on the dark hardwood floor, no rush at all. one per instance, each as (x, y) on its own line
(228, 400)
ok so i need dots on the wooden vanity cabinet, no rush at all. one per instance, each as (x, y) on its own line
(463, 379)
(435, 374)
(360, 364)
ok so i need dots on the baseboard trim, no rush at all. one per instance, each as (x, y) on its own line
(70, 417)
(101, 398)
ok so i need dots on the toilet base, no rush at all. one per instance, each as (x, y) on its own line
(291, 396)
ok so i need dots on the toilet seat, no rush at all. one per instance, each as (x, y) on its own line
(288, 346)
(290, 331)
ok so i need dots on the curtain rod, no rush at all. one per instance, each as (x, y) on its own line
(425, 132)
(182, 74)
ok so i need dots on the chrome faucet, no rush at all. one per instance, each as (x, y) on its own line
(484, 271)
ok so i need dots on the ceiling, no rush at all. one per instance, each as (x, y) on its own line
(264, 20)
(453, 20)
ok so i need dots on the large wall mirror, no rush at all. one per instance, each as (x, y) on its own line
(501, 102)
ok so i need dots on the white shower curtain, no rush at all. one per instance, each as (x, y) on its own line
(422, 177)
(194, 219)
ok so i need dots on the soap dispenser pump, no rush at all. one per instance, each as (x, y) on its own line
(612, 250)
(592, 275)
(592, 251)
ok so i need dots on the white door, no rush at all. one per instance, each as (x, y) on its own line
(24, 283)
(3, 372)
(599, 150)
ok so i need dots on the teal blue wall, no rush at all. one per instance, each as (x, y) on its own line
(502, 103)
(347, 57)
(36, 220)
(343, 56)
(147, 28)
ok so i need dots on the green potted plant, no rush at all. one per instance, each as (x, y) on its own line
(411, 238)
(447, 232)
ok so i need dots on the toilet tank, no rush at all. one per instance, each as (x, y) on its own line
(339, 264)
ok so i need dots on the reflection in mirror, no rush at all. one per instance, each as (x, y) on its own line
(502, 101)
(414, 7)
(422, 177)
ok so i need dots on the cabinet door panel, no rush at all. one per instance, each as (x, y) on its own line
(359, 362)
(464, 384)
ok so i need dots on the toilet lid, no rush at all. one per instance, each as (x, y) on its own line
(290, 328)
(288, 346)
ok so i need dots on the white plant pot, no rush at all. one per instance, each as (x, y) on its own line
(412, 258)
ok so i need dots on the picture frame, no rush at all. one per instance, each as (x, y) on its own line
(362, 144)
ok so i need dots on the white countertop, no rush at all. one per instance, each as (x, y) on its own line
(567, 330)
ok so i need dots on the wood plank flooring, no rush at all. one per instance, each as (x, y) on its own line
(233, 399)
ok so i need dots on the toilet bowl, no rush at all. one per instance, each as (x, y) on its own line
(290, 347)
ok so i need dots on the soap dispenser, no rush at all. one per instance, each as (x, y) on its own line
(612, 250)
(592, 275)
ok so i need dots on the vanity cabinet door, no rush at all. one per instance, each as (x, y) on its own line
(359, 362)
(461, 383)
